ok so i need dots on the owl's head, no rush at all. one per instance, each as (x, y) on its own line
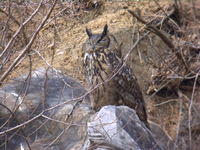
(97, 41)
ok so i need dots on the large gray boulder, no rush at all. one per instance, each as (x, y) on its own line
(52, 111)
(118, 127)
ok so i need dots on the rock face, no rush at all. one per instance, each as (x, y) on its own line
(47, 111)
(118, 127)
(55, 114)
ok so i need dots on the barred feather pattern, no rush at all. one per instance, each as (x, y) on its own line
(112, 82)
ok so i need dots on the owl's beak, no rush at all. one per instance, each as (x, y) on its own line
(93, 47)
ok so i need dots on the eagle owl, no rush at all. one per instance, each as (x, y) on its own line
(110, 79)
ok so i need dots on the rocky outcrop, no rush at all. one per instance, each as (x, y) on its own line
(53, 111)
(47, 115)
(118, 127)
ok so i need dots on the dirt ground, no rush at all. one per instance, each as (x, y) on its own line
(66, 44)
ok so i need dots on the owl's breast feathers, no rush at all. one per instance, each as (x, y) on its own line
(97, 64)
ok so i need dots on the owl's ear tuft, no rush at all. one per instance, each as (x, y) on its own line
(88, 33)
(105, 30)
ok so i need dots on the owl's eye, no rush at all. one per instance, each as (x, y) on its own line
(101, 40)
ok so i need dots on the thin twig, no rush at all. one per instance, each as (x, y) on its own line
(22, 124)
(138, 48)
(9, 15)
(165, 102)
(190, 109)
(180, 114)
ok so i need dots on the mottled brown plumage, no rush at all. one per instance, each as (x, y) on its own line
(110, 78)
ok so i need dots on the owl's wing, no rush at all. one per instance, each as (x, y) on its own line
(128, 88)
(125, 77)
